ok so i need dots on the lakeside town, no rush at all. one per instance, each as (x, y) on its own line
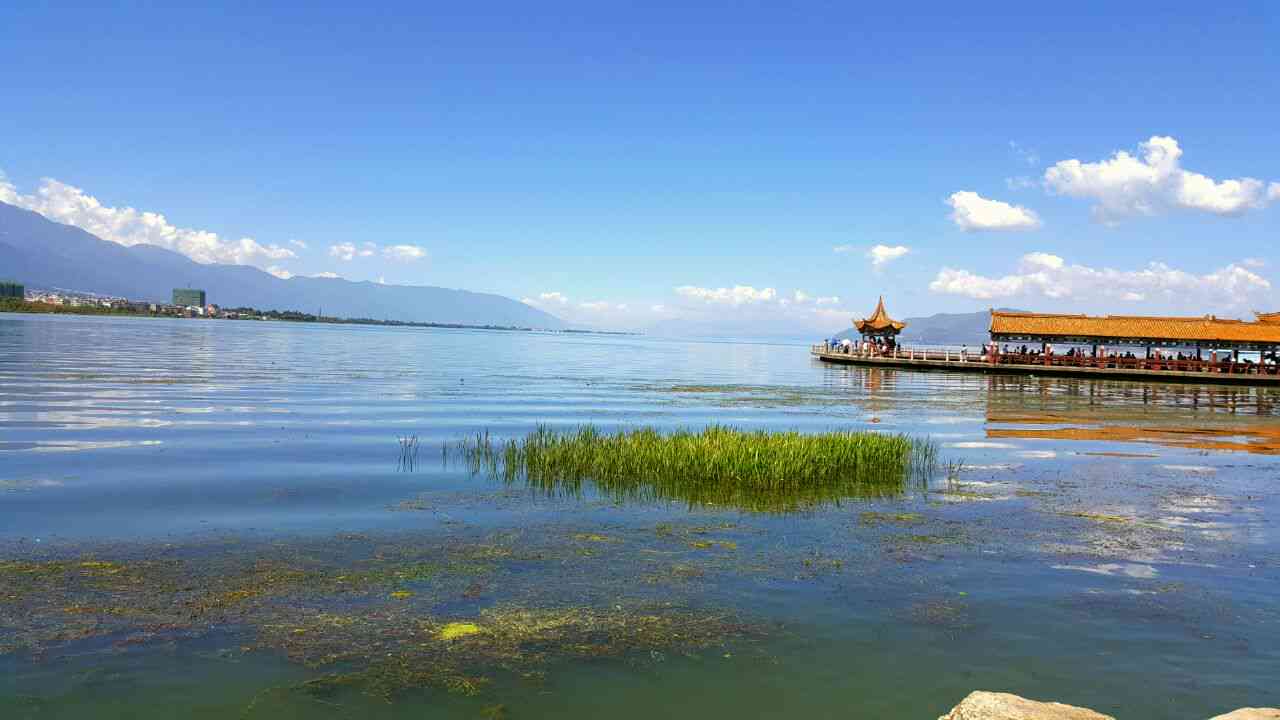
(185, 302)
(193, 303)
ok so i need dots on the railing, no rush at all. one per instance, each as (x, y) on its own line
(900, 353)
(1191, 365)
(1188, 365)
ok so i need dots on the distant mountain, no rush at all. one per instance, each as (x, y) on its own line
(943, 329)
(44, 254)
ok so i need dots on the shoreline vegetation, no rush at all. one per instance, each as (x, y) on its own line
(718, 466)
(249, 313)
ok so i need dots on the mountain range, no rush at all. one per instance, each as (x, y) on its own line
(44, 254)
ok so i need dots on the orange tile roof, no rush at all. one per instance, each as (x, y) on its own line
(879, 321)
(1135, 327)
(1269, 318)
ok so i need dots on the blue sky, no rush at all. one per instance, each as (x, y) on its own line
(624, 164)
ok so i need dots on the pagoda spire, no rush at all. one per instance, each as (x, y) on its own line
(879, 323)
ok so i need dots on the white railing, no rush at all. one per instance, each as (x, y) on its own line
(978, 357)
(899, 353)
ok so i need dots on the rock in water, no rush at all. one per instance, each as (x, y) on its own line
(981, 705)
(1250, 714)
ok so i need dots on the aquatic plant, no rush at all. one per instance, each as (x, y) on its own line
(408, 453)
(717, 466)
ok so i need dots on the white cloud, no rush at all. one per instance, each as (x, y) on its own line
(593, 313)
(1049, 276)
(602, 306)
(1024, 153)
(1127, 185)
(736, 295)
(347, 252)
(404, 252)
(557, 298)
(343, 251)
(280, 272)
(128, 226)
(1043, 260)
(802, 298)
(963, 282)
(825, 318)
(747, 296)
(326, 274)
(745, 308)
(881, 255)
(844, 248)
(743, 304)
(971, 211)
(298, 244)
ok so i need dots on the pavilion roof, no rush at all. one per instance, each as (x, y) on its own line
(879, 321)
(1269, 318)
(1137, 328)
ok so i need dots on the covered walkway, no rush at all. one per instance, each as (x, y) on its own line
(1178, 344)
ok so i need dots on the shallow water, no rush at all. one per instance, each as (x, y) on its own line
(1106, 544)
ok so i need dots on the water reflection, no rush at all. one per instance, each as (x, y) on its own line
(281, 439)
(1007, 394)
(1198, 417)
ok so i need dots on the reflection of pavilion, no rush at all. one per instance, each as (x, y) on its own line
(1180, 416)
(1011, 398)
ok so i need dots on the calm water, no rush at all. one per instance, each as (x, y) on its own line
(1112, 545)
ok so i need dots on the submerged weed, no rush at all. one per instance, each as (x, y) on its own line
(367, 615)
(880, 518)
(390, 654)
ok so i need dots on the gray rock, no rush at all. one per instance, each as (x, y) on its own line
(1250, 714)
(981, 705)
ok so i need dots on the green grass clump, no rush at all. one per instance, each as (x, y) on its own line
(717, 466)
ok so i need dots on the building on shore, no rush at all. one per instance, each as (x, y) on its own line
(187, 297)
(10, 290)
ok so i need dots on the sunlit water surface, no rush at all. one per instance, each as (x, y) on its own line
(1106, 544)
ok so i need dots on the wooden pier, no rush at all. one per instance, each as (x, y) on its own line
(1186, 371)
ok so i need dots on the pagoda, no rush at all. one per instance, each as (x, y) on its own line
(880, 327)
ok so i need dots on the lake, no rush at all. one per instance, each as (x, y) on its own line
(219, 517)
